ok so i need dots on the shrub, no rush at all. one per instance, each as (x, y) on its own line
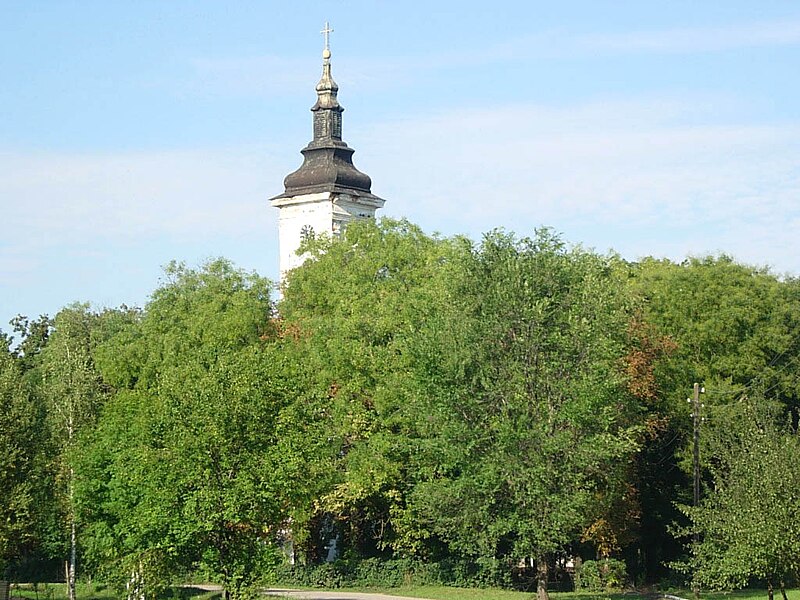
(601, 575)
(378, 573)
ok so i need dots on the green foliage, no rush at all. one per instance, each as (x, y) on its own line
(540, 414)
(749, 521)
(356, 311)
(396, 573)
(476, 394)
(22, 463)
(33, 335)
(601, 575)
(74, 393)
(735, 327)
(50, 591)
(30, 526)
(732, 328)
(447, 405)
(69, 381)
(187, 467)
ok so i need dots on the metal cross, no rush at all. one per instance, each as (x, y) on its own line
(326, 32)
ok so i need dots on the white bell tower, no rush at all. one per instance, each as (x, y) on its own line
(327, 191)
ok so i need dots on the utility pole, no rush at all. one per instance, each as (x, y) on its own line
(696, 420)
(696, 451)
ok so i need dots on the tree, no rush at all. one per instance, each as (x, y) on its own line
(734, 326)
(33, 335)
(189, 467)
(478, 393)
(541, 415)
(731, 327)
(749, 520)
(357, 308)
(73, 392)
(22, 473)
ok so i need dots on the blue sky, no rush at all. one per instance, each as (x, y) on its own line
(132, 134)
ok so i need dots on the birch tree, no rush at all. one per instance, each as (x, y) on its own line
(74, 392)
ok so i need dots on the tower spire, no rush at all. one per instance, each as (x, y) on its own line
(327, 110)
(327, 191)
(327, 159)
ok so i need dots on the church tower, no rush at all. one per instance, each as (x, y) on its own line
(327, 191)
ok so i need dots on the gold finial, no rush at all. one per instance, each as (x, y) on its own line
(326, 52)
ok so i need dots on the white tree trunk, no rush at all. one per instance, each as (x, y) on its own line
(73, 541)
(72, 558)
(135, 586)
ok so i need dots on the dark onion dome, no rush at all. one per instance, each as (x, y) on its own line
(327, 160)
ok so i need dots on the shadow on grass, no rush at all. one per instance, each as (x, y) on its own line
(189, 592)
(58, 591)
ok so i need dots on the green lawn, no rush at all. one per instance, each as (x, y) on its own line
(100, 592)
(448, 593)
(58, 591)
(451, 593)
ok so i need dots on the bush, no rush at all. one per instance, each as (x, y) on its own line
(601, 575)
(377, 573)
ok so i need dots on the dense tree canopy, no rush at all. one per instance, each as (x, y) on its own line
(732, 328)
(359, 308)
(22, 461)
(499, 404)
(543, 419)
(482, 388)
(187, 468)
(734, 325)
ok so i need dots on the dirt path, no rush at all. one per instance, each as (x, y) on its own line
(309, 595)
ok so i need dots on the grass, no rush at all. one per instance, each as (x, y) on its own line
(57, 591)
(85, 591)
(742, 595)
(449, 593)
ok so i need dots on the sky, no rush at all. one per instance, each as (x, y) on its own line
(137, 133)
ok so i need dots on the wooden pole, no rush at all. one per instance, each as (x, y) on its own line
(696, 462)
